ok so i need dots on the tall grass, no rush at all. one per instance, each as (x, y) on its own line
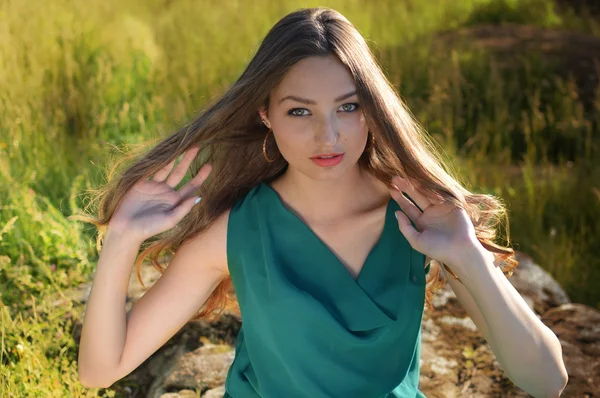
(78, 77)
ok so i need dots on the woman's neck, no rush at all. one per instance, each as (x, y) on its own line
(330, 200)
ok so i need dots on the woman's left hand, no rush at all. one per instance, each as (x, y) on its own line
(444, 232)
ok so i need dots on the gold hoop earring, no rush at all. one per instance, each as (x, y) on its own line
(371, 142)
(265, 149)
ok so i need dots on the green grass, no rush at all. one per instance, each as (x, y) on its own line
(77, 78)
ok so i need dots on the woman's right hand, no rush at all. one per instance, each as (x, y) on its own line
(152, 206)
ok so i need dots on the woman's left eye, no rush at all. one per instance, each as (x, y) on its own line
(294, 112)
(355, 105)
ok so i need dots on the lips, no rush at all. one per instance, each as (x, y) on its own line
(327, 155)
(327, 161)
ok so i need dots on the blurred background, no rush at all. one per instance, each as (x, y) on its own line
(509, 88)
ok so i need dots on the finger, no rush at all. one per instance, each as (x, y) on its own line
(160, 175)
(406, 205)
(409, 232)
(417, 196)
(182, 167)
(192, 186)
(183, 208)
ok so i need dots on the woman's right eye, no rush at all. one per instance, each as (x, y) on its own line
(295, 111)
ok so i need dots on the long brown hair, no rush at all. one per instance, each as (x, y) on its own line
(230, 135)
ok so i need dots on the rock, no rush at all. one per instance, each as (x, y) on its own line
(215, 393)
(204, 368)
(464, 322)
(212, 393)
(196, 358)
(180, 394)
(455, 359)
(578, 328)
(539, 289)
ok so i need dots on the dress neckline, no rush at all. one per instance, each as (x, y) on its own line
(377, 246)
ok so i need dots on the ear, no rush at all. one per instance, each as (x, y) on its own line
(263, 114)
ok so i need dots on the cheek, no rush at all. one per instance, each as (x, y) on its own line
(354, 130)
(293, 140)
(353, 121)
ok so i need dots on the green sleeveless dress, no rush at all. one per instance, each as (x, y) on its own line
(309, 329)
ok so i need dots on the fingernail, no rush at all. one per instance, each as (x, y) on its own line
(197, 200)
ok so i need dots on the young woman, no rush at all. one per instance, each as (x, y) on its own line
(310, 155)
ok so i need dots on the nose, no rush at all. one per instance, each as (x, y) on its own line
(326, 133)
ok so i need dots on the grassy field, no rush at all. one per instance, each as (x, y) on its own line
(79, 78)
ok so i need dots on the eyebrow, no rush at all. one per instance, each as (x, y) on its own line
(311, 102)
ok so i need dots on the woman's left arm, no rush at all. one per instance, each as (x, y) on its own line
(528, 351)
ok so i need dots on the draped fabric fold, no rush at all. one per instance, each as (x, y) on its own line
(310, 329)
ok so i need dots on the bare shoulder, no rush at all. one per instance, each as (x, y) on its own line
(212, 243)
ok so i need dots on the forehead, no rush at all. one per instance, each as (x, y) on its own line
(318, 78)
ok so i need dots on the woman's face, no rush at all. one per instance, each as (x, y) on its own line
(315, 111)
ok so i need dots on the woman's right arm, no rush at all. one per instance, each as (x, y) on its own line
(113, 342)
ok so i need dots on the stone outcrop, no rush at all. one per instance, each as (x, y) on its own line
(455, 359)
